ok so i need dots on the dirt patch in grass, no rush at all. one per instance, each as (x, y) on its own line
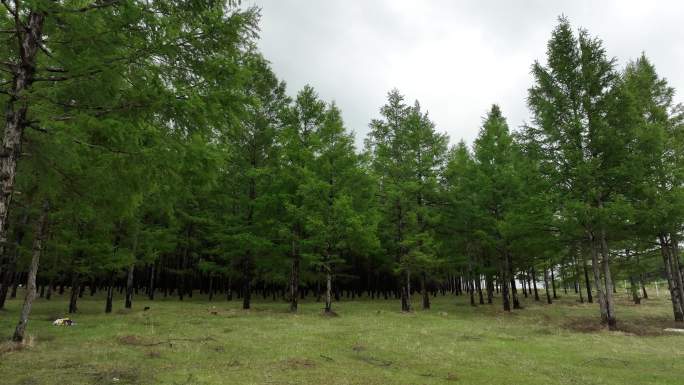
(132, 340)
(11, 346)
(299, 363)
(358, 348)
(153, 354)
(643, 327)
(330, 314)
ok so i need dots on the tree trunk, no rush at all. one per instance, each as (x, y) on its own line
(578, 281)
(504, 285)
(595, 266)
(478, 286)
(610, 304)
(406, 292)
(676, 267)
(29, 36)
(671, 283)
(534, 282)
(328, 290)
(553, 283)
(211, 286)
(75, 286)
(151, 288)
(294, 278)
(546, 285)
(490, 289)
(110, 298)
(587, 282)
(41, 230)
(514, 292)
(248, 272)
(129, 287)
(426, 296)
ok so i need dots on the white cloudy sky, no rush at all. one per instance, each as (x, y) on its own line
(455, 57)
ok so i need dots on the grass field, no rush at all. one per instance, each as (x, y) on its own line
(370, 342)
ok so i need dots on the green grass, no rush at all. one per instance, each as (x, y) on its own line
(369, 343)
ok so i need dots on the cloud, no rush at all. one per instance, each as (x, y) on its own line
(456, 58)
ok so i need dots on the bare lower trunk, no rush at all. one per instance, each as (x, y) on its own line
(677, 309)
(151, 289)
(676, 268)
(546, 286)
(41, 229)
(406, 292)
(426, 296)
(534, 283)
(587, 281)
(129, 287)
(504, 286)
(110, 298)
(75, 286)
(294, 278)
(578, 281)
(490, 288)
(478, 287)
(610, 287)
(595, 266)
(328, 291)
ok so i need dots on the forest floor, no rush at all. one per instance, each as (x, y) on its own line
(200, 342)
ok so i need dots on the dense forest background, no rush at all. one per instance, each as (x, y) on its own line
(149, 148)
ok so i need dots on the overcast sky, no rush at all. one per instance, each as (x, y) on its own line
(455, 57)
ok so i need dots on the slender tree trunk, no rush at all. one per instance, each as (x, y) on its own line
(514, 292)
(671, 284)
(41, 230)
(151, 289)
(610, 304)
(129, 287)
(676, 267)
(546, 285)
(504, 285)
(110, 294)
(75, 286)
(29, 36)
(534, 282)
(490, 289)
(294, 277)
(229, 289)
(478, 286)
(553, 283)
(595, 266)
(406, 292)
(248, 272)
(328, 290)
(578, 280)
(426, 295)
(587, 282)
